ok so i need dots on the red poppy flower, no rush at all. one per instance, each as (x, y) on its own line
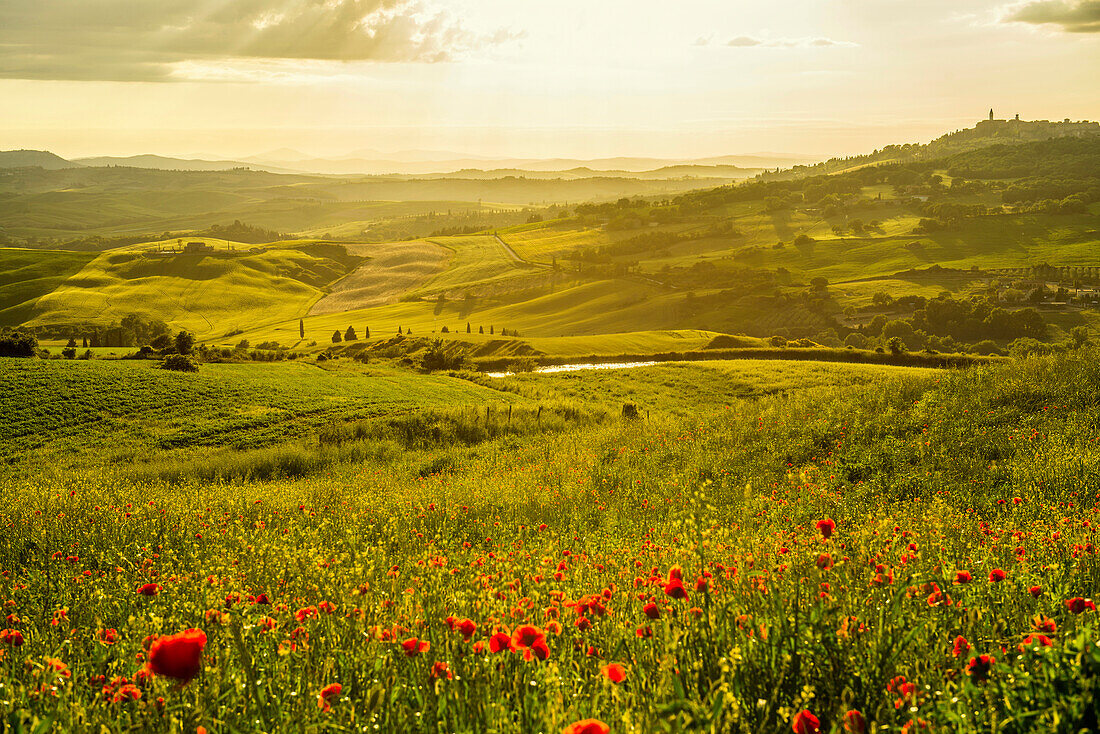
(107, 636)
(675, 589)
(614, 672)
(328, 693)
(441, 670)
(979, 667)
(526, 635)
(178, 656)
(1044, 624)
(1078, 605)
(652, 611)
(149, 589)
(414, 647)
(1037, 640)
(805, 723)
(962, 577)
(466, 628)
(538, 649)
(11, 637)
(961, 646)
(499, 642)
(996, 576)
(644, 632)
(587, 726)
(854, 723)
(1036, 591)
(826, 526)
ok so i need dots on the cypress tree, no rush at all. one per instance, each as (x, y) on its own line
(301, 328)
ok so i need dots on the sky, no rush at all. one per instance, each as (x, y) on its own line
(532, 78)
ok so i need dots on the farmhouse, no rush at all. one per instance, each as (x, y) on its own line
(197, 247)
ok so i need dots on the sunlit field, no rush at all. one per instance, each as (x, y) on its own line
(907, 550)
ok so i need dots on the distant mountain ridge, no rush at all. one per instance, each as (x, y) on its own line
(34, 158)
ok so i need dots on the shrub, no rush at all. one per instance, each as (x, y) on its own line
(179, 363)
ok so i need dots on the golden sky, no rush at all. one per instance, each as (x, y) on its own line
(527, 78)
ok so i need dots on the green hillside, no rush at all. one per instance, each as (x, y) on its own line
(209, 294)
(1003, 230)
(26, 275)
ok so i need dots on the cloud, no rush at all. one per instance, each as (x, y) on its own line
(1073, 16)
(750, 42)
(150, 40)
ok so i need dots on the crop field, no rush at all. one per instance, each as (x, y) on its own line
(882, 549)
(476, 259)
(391, 271)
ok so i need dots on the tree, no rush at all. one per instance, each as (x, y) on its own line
(481, 330)
(161, 342)
(468, 327)
(490, 328)
(242, 345)
(398, 329)
(18, 344)
(895, 345)
(856, 340)
(1080, 336)
(69, 352)
(819, 283)
(349, 335)
(336, 339)
(84, 343)
(301, 328)
(366, 332)
(72, 342)
(185, 341)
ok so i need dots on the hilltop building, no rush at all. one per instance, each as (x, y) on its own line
(1035, 129)
(192, 248)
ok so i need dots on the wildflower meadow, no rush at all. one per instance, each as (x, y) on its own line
(913, 555)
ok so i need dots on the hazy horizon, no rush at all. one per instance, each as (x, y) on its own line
(490, 78)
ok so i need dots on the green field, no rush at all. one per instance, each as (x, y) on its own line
(71, 405)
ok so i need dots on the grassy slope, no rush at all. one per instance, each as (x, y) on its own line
(695, 388)
(75, 405)
(26, 275)
(209, 295)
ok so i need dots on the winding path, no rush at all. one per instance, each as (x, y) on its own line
(515, 256)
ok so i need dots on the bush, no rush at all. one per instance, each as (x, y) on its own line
(179, 363)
